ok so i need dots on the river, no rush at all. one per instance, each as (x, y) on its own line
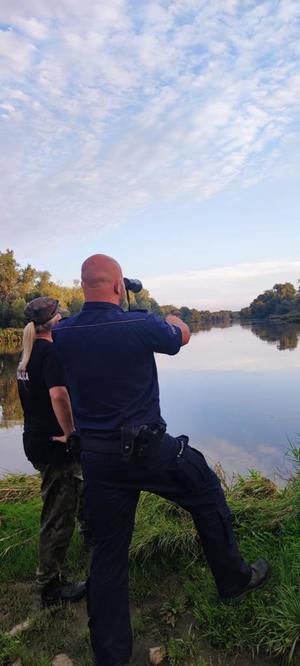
(235, 392)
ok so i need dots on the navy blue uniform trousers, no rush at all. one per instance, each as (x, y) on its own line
(112, 486)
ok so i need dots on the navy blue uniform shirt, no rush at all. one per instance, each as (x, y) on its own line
(111, 372)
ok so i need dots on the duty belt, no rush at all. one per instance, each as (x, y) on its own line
(100, 445)
(135, 443)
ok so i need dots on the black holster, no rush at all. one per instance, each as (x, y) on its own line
(137, 442)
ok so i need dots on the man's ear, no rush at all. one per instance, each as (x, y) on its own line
(118, 287)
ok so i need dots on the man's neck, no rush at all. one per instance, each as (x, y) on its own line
(96, 298)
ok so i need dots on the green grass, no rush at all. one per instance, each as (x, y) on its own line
(19, 539)
(52, 631)
(169, 580)
(9, 648)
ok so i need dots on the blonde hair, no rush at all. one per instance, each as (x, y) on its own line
(29, 337)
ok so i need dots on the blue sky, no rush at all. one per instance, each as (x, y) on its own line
(163, 133)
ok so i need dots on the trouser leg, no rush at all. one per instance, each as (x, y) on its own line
(111, 518)
(198, 490)
(59, 490)
(214, 527)
(111, 488)
(82, 515)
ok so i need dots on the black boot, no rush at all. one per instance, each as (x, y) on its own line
(57, 591)
(260, 573)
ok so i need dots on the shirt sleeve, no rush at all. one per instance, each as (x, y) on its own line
(163, 337)
(54, 374)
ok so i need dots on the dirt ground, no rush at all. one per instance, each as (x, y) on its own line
(212, 656)
(29, 602)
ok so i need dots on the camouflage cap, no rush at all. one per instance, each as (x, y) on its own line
(41, 309)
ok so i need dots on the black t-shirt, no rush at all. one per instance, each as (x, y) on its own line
(44, 371)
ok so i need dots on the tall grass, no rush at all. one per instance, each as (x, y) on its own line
(166, 555)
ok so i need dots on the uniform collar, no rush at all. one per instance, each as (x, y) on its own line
(101, 305)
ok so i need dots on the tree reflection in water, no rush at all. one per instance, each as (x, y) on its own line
(10, 407)
(285, 336)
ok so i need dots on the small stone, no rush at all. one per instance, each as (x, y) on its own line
(62, 660)
(19, 627)
(157, 654)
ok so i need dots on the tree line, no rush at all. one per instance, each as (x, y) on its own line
(280, 302)
(20, 285)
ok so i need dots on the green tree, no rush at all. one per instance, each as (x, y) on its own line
(282, 299)
(42, 283)
(144, 301)
(75, 305)
(16, 312)
(27, 281)
(285, 291)
(9, 276)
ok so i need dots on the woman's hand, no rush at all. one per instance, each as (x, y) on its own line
(59, 438)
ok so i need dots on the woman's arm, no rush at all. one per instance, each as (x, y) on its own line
(62, 408)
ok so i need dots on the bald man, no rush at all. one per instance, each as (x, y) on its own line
(108, 354)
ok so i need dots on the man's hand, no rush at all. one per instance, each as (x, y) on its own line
(59, 438)
(185, 331)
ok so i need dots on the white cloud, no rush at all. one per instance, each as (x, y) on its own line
(120, 104)
(15, 54)
(32, 27)
(228, 287)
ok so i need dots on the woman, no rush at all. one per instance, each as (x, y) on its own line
(48, 422)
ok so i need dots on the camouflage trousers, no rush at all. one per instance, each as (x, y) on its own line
(61, 491)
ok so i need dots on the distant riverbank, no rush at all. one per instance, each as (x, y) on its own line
(173, 596)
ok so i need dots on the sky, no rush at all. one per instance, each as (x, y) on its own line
(163, 133)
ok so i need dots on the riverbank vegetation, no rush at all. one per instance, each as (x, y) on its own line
(280, 302)
(10, 339)
(19, 285)
(173, 597)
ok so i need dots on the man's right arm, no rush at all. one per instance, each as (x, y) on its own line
(165, 336)
(185, 331)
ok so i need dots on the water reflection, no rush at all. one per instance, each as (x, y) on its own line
(229, 390)
(286, 336)
(10, 407)
(12, 458)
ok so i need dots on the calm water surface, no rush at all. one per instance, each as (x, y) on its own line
(235, 391)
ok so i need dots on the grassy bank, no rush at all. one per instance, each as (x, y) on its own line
(173, 596)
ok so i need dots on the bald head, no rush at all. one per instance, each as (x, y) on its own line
(102, 279)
